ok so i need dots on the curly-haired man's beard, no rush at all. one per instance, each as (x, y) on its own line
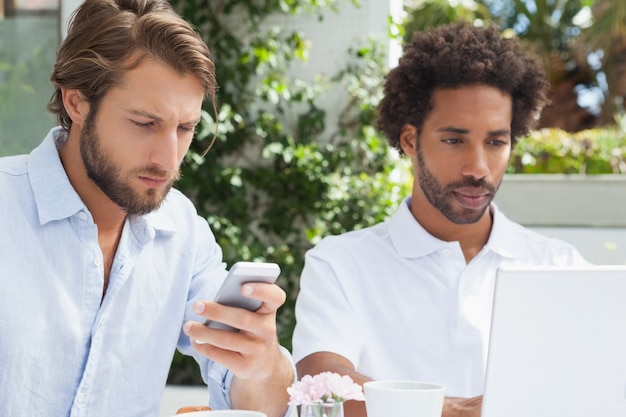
(115, 183)
(440, 196)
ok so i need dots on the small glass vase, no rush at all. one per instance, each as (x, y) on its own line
(328, 409)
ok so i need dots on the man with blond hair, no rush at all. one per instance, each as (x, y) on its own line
(106, 269)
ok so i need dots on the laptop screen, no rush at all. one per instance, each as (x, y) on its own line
(557, 345)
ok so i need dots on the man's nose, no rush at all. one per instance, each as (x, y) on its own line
(475, 163)
(165, 151)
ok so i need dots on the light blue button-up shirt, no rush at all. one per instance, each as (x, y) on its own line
(63, 350)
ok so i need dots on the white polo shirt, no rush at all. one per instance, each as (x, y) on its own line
(401, 304)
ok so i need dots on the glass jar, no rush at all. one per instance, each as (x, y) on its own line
(328, 409)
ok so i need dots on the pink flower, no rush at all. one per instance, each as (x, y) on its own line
(324, 387)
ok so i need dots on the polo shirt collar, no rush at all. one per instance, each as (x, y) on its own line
(411, 240)
(502, 238)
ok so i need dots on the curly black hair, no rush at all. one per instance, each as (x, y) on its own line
(456, 55)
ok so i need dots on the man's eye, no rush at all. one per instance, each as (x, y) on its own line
(139, 124)
(452, 141)
(188, 129)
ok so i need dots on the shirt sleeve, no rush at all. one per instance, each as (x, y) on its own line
(325, 317)
(220, 380)
(209, 271)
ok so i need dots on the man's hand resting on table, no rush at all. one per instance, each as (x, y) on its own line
(462, 407)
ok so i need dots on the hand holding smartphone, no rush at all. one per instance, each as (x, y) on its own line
(240, 273)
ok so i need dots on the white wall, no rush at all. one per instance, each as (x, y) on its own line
(331, 36)
(67, 8)
(330, 39)
(599, 245)
(587, 211)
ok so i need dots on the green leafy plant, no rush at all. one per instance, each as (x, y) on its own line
(555, 151)
(27, 46)
(279, 176)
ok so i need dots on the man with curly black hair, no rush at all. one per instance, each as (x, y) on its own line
(411, 298)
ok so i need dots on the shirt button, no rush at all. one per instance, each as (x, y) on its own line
(82, 215)
(80, 398)
(97, 262)
(447, 252)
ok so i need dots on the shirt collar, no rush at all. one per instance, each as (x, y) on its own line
(411, 240)
(145, 227)
(54, 195)
(56, 199)
(502, 238)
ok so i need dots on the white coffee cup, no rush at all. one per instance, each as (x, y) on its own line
(403, 399)
(223, 413)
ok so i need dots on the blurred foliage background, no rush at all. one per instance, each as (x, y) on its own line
(582, 44)
(555, 151)
(283, 172)
(25, 81)
(280, 177)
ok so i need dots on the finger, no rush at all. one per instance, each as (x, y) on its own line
(271, 296)
(235, 317)
(237, 362)
(233, 350)
(200, 334)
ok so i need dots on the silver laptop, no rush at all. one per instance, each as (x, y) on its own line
(557, 346)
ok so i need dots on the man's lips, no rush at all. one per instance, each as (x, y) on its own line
(154, 182)
(472, 198)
